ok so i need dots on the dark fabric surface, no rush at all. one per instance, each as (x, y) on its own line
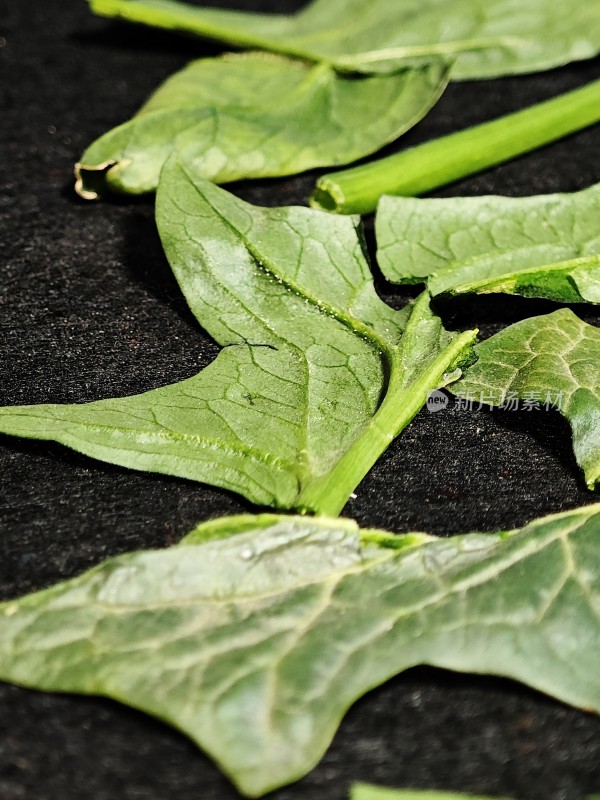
(88, 309)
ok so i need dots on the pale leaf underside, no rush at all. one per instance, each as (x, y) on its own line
(255, 644)
(546, 246)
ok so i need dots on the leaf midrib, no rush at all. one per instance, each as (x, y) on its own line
(384, 349)
(265, 265)
(563, 266)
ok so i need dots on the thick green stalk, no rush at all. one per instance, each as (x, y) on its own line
(329, 495)
(450, 158)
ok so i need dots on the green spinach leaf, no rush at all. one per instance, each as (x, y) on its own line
(256, 644)
(317, 375)
(365, 791)
(257, 115)
(486, 37)
(549, 360)
(546, 246)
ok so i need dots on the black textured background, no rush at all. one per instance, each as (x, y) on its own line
(88, 309)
